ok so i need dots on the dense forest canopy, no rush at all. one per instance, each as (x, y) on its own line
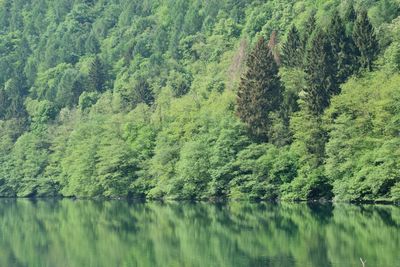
(291, 100)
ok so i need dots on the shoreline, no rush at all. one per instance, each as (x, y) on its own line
(211, 201)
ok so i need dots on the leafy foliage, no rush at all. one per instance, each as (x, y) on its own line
(129, 98)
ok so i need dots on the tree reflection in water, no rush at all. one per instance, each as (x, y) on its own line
(120, 233)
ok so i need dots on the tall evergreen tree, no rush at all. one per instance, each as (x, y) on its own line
(260, 91)
(342, 48)
(4, 103)
(292, 52)
(365, 40)
(308, 30)
(350, 17)
(97, 75)
(321, 72)
(92, 45)
(142, 92)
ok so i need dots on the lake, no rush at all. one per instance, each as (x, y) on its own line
(120, 233)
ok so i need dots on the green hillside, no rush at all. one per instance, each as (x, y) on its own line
(200, 99)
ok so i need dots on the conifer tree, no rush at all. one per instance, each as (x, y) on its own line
(97, 75)
(351, 14)
(142, 92)
(309, 28)
(259, 91)
(92, 45)
(342, 49)
(365, 39)
(321, 72)
(4, 103)
(349, 20)
(292, 52)
(350, 17)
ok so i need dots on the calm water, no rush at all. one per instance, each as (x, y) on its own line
(117, 233)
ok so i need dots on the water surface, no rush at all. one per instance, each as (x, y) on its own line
(118, 233)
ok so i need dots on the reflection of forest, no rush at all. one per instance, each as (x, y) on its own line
(117, 233)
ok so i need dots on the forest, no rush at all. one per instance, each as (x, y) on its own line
(200, 99)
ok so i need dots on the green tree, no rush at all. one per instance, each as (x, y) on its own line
(349, 18)
(193, 170)
(308, 29)
(4, 103)
(29, 158)
(365, 40)
(342, 48)
(363, 148)
(97, 75)
(308, 147)
(40, 112)
(15, 91)
(260, 91)
(321, 73)
(69, 89)
(292, 50)
(142, 92)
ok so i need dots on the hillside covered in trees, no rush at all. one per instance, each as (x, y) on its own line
(239, 99)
